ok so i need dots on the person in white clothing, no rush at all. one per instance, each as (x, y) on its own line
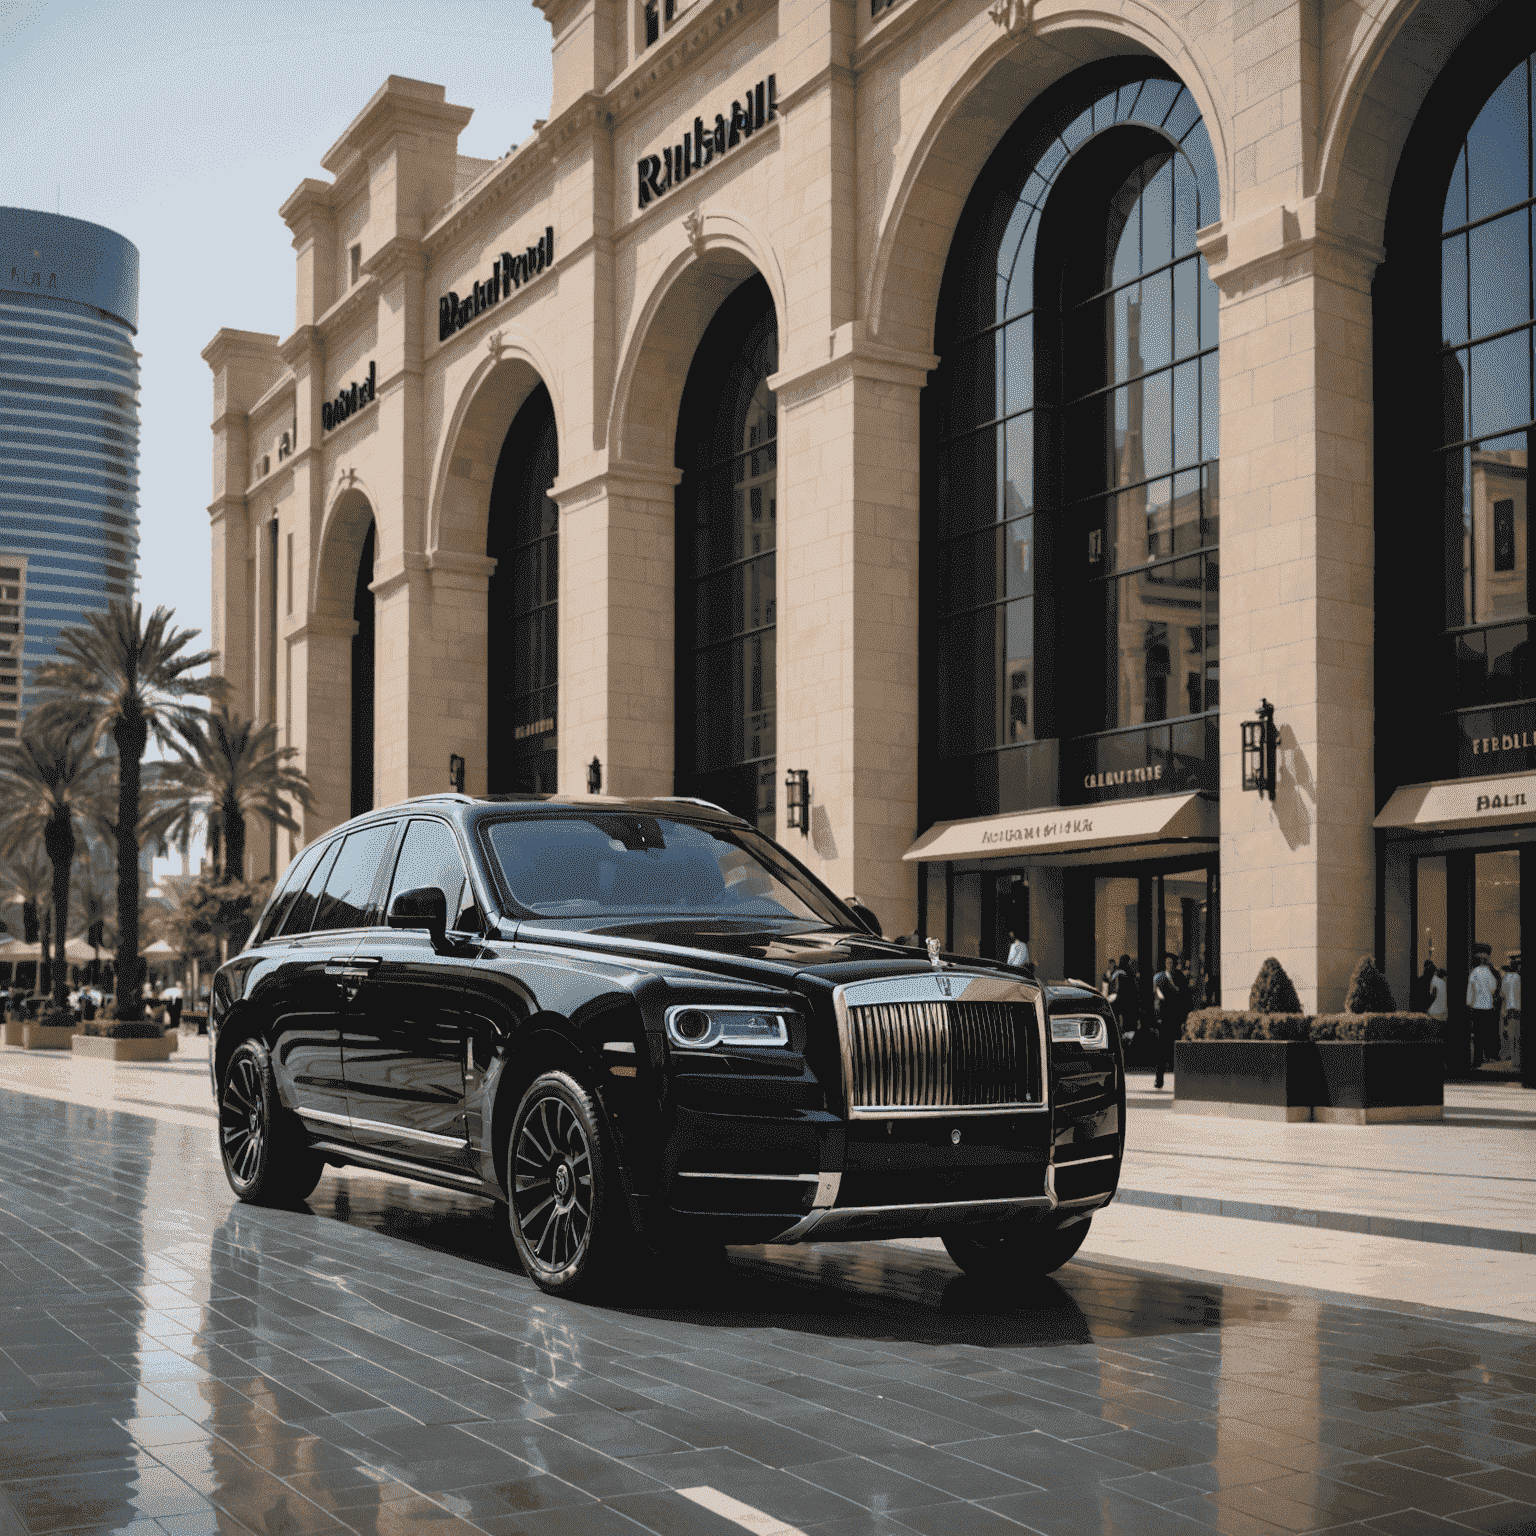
(1437, 991)
(1018, 950)
(1483, 1001)
(1510, 1024)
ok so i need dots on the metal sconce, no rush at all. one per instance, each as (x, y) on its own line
(456, 773)
(797, 800)
(594, 777)
(1260, 741)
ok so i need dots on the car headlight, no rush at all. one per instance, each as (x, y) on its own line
(699, 1029)
(1085, 1029)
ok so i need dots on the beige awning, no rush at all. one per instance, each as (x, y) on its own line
(1460, 804)
(1160, 819)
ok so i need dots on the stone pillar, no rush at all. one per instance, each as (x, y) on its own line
(848, 613)
(1047, 927)
(617, 595)
(1298, 874)
(320, 684)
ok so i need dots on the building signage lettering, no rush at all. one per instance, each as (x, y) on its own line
(1039, 831)
(1500, 802)
(1518, 741)
(1152, 775)
(677, 162)
(349, 401)
(508, 274)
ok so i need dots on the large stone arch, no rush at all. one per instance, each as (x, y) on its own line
(693, 274)
(1383, 70)
(938, 160)
(513, 367)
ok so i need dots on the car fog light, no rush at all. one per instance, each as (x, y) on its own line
(700, 1029)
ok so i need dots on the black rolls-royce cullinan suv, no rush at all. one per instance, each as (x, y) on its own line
(640, 1021)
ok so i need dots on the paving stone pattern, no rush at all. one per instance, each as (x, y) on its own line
(375, 1361)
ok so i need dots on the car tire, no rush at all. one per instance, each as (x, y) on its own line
(1015, 1250)
(570, 1220)
(265, 1159)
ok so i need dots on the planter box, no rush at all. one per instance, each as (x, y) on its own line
(105, 1049)
(1366, 1082)
(10, 1034)
(1245, 1079)
(37, 1037)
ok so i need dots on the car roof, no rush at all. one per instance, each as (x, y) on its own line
(461, 807)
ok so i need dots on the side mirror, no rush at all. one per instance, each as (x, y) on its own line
(865, 916)
(425, 907)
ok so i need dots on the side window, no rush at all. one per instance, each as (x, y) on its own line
(347, 901)
(287, 893)
(430, 856)
(302, 913)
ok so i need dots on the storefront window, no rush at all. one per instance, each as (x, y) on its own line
(1071, 436)
(1486, 372)
(522, 632)
(726, 576)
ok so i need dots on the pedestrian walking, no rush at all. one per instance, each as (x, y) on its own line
(1483, 1002)
(1124, 999)
(1018, 949)
(1423, 989)
(1170, 1008)
(1509, 990)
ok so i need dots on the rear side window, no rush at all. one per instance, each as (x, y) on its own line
(429, 856)
(287, 893)
(302, 913)
(347, 901)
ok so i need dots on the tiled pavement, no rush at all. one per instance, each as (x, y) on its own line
(375, 1362)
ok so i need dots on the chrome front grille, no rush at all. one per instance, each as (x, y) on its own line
(913, 1058)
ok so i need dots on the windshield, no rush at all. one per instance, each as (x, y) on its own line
(621, 863)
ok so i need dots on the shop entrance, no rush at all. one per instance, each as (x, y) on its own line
(1469, 902)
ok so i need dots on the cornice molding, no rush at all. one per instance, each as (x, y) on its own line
(227, 505)
(228, 418)
(1283, 244)
(345, 310)
(328, 626)
(828, 74)
(615, 475)
(399, 253)
(298, 349)
(694, 40)
(227, 344)
(398, 572)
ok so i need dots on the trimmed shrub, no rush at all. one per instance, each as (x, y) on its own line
(57, 1018)
(1384, 1026)
(1368, 991)
(1272, 991)
(109, 1028)
(1219, 1024)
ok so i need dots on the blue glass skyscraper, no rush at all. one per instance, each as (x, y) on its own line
(69, 426)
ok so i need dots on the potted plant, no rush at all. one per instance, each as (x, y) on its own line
(1376, 1063)
(1256, 1065)
(53, 1030)
(113, 1039)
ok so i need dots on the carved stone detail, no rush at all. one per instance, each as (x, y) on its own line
(693, 227)
(1013, 16)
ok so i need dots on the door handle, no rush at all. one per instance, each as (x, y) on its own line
(352, 965)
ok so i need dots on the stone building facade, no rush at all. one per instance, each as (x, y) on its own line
(690, 439)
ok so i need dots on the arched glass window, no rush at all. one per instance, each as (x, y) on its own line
(727, 522)
(522, 629)
(1070, 506)
(363, 606)
(1486, 373)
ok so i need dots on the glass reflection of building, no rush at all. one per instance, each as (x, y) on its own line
(1071, 507)
(1456, 687)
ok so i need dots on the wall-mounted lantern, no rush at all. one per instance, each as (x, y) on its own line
(1260, 741)
(456, 773)
(797, 800)
(594, 777)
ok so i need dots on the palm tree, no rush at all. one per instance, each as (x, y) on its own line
(51, 782)
(129, 678)
(26, 879)
(225, 769)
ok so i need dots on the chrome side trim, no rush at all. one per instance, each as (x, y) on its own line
(404, 1133)
(1099, 1199)
(324, 1116)
(804, 1178)
(1078, 1162)
(620, 1047)
(924, 1111)
(381, 1161)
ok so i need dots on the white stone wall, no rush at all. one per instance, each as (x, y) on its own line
(847, 206)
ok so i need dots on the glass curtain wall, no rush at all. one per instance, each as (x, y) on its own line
(1070, 444)
(727, 525)
(1486, 373)
(522, 630)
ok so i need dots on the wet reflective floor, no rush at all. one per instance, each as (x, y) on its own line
(375, 1361)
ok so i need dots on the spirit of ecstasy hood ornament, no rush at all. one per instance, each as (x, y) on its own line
(933, 955)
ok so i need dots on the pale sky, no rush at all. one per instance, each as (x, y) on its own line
(184, 127)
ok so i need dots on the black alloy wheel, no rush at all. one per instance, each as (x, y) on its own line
(567, 1212)
(1015, 1250)
(264, 1158)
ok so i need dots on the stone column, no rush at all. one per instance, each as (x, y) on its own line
(1297, 556)
(616, 628)
(848, 613)
(319, 671)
